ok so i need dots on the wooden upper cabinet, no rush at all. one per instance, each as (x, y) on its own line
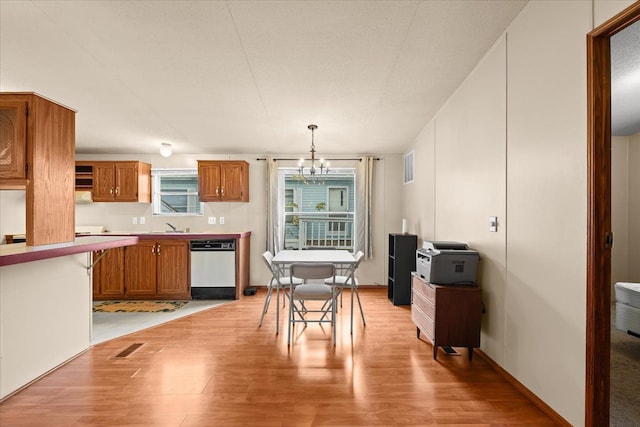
(223, 181)
(122, 182)
(37, 153)
(13, 142)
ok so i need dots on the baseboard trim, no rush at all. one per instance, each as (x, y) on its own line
(557, 418)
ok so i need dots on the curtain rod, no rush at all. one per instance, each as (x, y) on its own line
(358, 159)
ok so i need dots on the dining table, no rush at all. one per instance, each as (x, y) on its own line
(341, 258)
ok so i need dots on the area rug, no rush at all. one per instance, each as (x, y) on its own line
(138, 306)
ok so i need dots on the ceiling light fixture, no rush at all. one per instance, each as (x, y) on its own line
(166, 150)
(313, 172)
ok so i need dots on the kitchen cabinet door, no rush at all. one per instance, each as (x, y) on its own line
(223, 181)
(172, 270)
(108, 274)
(234, 182)
(103, 182)
(209, 181)
(13, 140)
(126, 182)
(140, 269)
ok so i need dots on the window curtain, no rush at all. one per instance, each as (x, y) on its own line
(275, 206)
(364, 181)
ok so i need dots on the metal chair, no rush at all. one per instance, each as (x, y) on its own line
(278, 283)
(350, 281)
(324, 292)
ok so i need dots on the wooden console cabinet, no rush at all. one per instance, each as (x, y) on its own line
(449, 315)
(223, 181)
(402, 261)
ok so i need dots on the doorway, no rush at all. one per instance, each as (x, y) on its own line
(599, 237)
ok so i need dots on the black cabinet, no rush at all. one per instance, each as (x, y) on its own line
(402, 261)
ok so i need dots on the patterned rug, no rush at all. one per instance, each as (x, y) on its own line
(137, 306)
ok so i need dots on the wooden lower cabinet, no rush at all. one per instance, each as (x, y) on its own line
(140, 270)
(449, 315)
(108, 273)
(172, 269)
(152, 269)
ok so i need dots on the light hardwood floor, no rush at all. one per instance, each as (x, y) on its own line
(217, 368)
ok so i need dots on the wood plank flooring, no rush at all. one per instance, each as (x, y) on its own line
(218, 368)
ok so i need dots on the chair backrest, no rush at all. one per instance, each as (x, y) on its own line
(268, 257)
(313, 270)
(359, 256)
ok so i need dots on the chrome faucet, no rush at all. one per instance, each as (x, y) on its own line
(172, 227)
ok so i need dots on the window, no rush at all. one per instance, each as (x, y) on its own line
(408, 167)
(175, 192)
(319, 213)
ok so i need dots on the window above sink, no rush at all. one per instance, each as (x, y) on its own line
(175, 192)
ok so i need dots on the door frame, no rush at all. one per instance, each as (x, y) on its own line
(598, 311)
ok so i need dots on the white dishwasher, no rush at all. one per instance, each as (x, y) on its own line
(213, 269)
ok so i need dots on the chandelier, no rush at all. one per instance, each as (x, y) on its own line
(314, 173)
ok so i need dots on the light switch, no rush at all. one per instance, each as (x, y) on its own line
(142, 220)
(493, 223)
(221, 220)
(134, 220)
(211, 220)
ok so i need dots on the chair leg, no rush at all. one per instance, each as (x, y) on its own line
(290, 319)
(334, 302)
(352, 287)
(267, 301)
(355, 290)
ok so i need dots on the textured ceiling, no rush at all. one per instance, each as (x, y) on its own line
(249, 76)
(246, 76)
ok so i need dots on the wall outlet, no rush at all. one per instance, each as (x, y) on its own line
(142, 220)
(221, 220)
(212, 220)
(134, 220)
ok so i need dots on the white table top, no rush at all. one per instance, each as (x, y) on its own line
(334, 256)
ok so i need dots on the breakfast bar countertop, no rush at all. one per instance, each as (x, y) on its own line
(18, 253)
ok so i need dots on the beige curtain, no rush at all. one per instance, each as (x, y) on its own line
(364, 181)
(275, 206)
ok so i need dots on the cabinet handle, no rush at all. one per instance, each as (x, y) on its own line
(153, 249)
(158, 250)
(217, 191)
(223, 191)
(111, 190)
(117, 190)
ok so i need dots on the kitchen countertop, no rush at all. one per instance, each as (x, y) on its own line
(157, 235)
(18, 253)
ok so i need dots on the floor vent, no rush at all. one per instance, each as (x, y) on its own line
(127, 351)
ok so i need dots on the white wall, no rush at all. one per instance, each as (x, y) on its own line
(470, 180)
(511, 142)
(13, 212)
(634, 208)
